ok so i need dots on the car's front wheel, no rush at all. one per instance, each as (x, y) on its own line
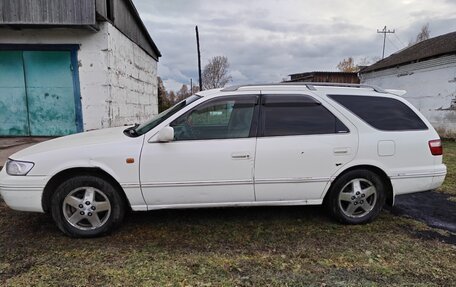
(87, 206)
(357, 197)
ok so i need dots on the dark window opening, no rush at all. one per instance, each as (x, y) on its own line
(297, 115)
(382, 113)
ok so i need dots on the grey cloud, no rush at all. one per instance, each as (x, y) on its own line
(263, 46)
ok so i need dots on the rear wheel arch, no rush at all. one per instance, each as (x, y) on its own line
(64, 175)
(380, 172)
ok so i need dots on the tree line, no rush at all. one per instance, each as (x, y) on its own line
(215, 75)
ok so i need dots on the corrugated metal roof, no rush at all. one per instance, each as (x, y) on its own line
(433, 47)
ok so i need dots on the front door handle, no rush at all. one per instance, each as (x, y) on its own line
(240, 155)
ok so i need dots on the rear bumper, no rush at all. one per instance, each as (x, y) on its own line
(22, 193)
(417, 182)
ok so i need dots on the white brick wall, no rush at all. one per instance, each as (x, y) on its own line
(118, 80)
(132, 80)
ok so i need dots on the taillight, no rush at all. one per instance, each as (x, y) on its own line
(436, 147)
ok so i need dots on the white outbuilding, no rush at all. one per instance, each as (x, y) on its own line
(427, 71)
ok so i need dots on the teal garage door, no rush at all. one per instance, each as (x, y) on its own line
(13, 100)
(37, 96)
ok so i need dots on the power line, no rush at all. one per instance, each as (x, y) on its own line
(384, 32)
(392, 43)
(402, 43)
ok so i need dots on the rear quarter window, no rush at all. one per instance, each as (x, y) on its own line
(382, 113)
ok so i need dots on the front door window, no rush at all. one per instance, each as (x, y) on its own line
(219, 119)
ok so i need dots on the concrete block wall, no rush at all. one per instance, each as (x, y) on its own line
(132, 77)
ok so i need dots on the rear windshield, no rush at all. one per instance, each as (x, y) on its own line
(382, 113)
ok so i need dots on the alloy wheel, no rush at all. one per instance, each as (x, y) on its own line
(86, 208)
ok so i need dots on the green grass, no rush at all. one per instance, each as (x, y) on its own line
(449, 158)
(283, 246)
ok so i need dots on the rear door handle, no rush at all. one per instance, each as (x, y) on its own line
(341, 151)
(240, 155)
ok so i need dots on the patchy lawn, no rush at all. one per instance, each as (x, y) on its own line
(283, 246)
(449, 158)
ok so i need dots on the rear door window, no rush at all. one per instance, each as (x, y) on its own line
(382, 113)
(285, 115)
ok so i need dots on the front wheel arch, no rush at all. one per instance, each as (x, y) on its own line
(385, 178)
(64, 175)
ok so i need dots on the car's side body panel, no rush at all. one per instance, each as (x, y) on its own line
(299, 167)
(208, 171)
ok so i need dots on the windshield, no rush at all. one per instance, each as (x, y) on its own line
(158, 119)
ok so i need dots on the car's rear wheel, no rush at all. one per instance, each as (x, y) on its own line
(356, 197)
(87, 206)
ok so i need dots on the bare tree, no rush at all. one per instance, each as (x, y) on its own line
(183, 93)
(163, 100)
(172, 97)
(195, 89)
(424, 34)
(348, 65)
(215, 73)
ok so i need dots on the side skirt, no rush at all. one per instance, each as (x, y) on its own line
(228, 204)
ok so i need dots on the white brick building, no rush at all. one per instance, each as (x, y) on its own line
(94, 68)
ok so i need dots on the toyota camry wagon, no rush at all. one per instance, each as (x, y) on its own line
(352, 148)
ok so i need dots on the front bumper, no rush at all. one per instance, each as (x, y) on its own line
(22, 193)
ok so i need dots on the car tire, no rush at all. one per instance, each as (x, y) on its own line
(87, 206)
(356, 197)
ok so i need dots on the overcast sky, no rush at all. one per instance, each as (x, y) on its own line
(266, 40)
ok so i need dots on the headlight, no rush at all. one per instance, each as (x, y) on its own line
(15, 167)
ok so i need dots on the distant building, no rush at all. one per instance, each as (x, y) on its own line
(427, 71)
(327, 77)
(68, 66)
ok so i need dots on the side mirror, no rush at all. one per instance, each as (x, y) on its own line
(166, 134)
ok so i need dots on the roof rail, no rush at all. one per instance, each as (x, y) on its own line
(309, 85)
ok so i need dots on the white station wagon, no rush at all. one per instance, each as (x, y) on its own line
(350, 147)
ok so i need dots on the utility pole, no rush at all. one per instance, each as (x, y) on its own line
(199, 59)
(384, 32)
(191, 86)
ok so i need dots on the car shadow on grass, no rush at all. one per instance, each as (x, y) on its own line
(434, 209)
